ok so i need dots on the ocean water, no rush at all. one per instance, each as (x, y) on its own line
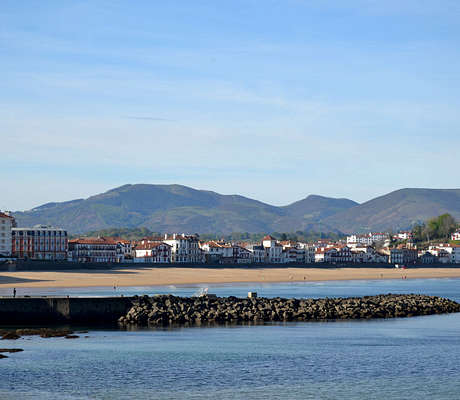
(416, 358)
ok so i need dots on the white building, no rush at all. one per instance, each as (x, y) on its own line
(184, 248)
(153, 252)
(452, 249)
(309, 253)
(404, 235)
(456, 235)
(367, 254)
(258, 253)
(367, 239)
(7, 223)
(217, 252)
(273, 250)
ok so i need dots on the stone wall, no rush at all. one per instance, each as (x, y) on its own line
(170, 310)
(37, 310)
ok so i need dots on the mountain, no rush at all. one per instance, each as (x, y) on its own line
(176, 208)
(318, 207)
(169, 208)
(400, 209)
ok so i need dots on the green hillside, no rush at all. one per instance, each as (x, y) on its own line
(400, 209)
(176, 208)
(167, 208)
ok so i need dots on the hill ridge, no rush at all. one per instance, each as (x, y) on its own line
(174, 207)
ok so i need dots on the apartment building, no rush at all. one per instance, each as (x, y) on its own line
(153, 252)
(403, 256)
(40, 242)
(7, 223)
(93, 250)
(184, 248)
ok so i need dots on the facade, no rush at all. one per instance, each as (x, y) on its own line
(403, 256)
(93, 250)
(224, 253)
(367, 239)
(367, 254)
(217, 252)
(7, 223)
(446, 253)
(241, 255)
(124, 249)
(427, 258)
(334, 255)
(273, 250)
(404, 235)
(293, 252)
(40, 242)
(184, 248)
(258, 253)
(153, 252)
(309, 254)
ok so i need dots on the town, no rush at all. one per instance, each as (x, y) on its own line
(47, 243)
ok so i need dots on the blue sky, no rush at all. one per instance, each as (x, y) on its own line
(274, 100)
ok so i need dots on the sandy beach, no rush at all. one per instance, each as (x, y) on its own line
(131, 276)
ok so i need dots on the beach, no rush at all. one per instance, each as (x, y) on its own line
(132, 276)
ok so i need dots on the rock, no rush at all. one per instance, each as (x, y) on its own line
(168, 310)
(10, 336)
(10, 350)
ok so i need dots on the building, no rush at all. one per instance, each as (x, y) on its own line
(184, 248)
(7, 223)
(456, 235)
(427, 258)
(241, 255)
(367, 239)
(153, 252)
(40, 242)
(367, 254)
(225, 253)
(452, 249)
(217, 252)
(93, 250)
(403, 256)
(124, 250)
(258, 253)
(403, 235)
(273, 250)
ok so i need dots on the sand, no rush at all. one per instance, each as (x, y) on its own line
(132, 276)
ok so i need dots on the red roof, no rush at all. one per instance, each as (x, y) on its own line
(3, 215)
(151, 245)
(93, 240)
(268, 237)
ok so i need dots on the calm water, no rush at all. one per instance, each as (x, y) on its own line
(398, 359)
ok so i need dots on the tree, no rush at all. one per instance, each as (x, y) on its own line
(446, 225)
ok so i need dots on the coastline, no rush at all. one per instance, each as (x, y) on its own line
(129, 276)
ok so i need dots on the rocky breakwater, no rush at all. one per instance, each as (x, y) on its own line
(163, 310)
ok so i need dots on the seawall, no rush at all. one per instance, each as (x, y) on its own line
(171, 310)
(33, 265)
(38, 310)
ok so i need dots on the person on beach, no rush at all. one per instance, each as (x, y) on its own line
(14, 292)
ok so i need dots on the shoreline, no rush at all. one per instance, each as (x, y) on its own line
(131, 277)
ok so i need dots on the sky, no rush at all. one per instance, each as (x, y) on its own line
(274, 100)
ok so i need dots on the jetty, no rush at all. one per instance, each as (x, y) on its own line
(168, 310)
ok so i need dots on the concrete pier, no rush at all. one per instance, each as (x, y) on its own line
(38, 310)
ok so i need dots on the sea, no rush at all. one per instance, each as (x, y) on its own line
(402, 358)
